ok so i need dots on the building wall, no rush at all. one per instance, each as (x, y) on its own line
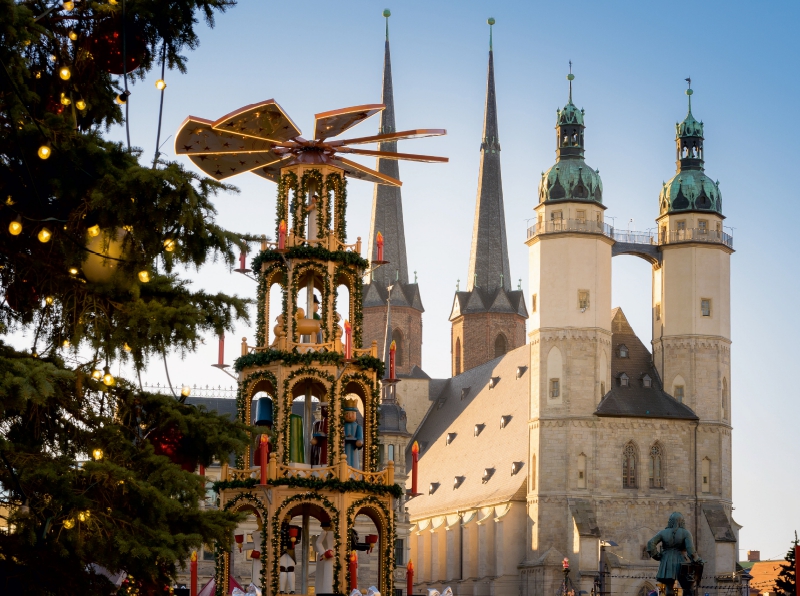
(408, 320)
(414, 397)
(476, 333)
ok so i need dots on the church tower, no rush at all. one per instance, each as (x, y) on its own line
(387, 219)
(691, 307)
(488, 319)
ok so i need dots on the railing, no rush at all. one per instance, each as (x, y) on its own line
(585, 226)
(629, 237)
(339, 470)
(697, 235)
(196, 391)
(331, 346)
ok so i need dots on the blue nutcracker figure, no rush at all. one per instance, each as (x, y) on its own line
(353, 433)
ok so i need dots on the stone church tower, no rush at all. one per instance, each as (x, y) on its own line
(387, 218)
(488, 319)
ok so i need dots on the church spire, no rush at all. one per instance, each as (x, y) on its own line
(387, 207)
(488, 264)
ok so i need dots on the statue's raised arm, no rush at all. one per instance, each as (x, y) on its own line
(677, 556)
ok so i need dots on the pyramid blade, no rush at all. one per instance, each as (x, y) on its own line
(197, 137)
(273, 171)
(394, 155)
(224, 165)
(265, 120)
(356, 170)
(335, 122)
(392, 136)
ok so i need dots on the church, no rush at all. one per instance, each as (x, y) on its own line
(560, 433)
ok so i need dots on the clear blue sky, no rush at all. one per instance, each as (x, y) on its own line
(630, 60)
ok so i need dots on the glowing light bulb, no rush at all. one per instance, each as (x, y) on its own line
(65, 101)
(113, 2)
(144, 276)
(44, 151)
(52, 57)
(83, 516)
(64, 72)
(49, 300)
(65, 343)
(68, 5)
(15, 227)
(169, 245)
(97, 454)
(161, 85)
(69, 524)
(97, 373)
(80, 104)
(73, 36)
(93, 231)
(126, 347)
(186, 391)
(108, 379)
(73, 271)
(44, 235)
(122, 98)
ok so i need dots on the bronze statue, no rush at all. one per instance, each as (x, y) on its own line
(676, 545)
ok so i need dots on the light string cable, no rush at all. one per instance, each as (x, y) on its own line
(125, 79)
(161, 106)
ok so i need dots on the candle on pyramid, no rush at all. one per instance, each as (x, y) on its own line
(379, 242)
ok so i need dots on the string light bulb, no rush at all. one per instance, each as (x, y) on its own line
(97, 373)
(169, 245)
(93, 231)
(44, 151)
(65, 344)
(122, 98)
(112, 2)
(65, 101)
(144, 276)
(186, 391)
(69, 524)
(80, 104)
(15, 227)
(126, 347)
(64, 72)
(161, 85)
(52, 57)
(97, 454)
(108, 379)
(73, 271)
(44, 235)
(48, 300)
(73, 36)
(83, 516)
(68, 5)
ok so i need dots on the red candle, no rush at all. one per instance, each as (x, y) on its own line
(193, 569)
(243, 260)
(414, 459)
(353, 571)
(239, 540)
(392, 351)
(221, 349)
(202, 470)
(348, 340)
(282, 235)
(263, 450)
(379, 242)
(409, 578)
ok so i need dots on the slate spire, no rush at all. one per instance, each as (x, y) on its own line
(387, 206)
(488, 263)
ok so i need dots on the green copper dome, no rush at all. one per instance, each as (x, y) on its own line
(690, 190)
(570, 115)
(571, 180)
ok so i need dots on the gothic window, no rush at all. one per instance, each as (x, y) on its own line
(724, 399)
(679, 393)
(629, 466)
(602, 390)
(656, 467)
(555, 389)
(457, 370)
(500, 346)
(646, 589)
(399, 355)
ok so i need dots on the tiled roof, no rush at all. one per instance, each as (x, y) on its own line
(469, 456)
(636, 400)
(496, 300)
(220, 405)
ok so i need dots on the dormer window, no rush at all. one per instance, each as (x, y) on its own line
(521, 371)
(623, 380)
(647, 382)
(515, 467)
(487, 474)
(458, 481)
(504, 420)
(450, 438)
(464, 392)
(432, 488)
(493, 382)
(623, 351)
(479, 428)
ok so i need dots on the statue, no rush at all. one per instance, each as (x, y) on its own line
(353, 433)
(676, 545)
(287, 573)
(323, 584)
(296, 446)
(319, 438)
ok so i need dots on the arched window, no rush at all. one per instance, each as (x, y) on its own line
(500, 346)
(399, 354)
(629, 466)
(646, 589)
(656, 467)
(457, 367)
(724, 398)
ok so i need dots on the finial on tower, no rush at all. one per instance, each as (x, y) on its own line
(689, 92)
(387, 13)
(570, 78)
(491, 22)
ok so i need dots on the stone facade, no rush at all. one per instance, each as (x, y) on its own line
(407, 323)
(474, 337)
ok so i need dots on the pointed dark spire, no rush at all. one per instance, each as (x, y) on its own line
(488, 263)
(387, 206)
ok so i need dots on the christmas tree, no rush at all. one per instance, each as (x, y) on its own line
(97, 475)
(787, 578)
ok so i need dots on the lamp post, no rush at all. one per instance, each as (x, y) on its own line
(602, 569)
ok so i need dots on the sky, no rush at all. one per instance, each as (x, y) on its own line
(630, 60)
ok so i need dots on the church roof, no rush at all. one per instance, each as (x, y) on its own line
(636, 400)
(403, 294)
(497, 300)
(488, 263)
(490, 395)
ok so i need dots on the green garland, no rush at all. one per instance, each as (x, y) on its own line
(316, 176)
(266, 357)
(388, 539)
(318, 253)
(334, 484)
(276, 536)
(250, 498)
(296, 206)
(356, 297)
(288, 181)
(336, 183)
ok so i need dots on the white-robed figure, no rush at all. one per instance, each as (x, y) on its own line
(323, 584)
(256, 572)
(287, 573)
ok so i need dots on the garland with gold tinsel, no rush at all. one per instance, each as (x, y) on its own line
(315, 176)
(276, 536)
(241, 402)
(313, 373)
(251, 499)
(374, 397)
(387, 542)
(287, 182)
(332, 484)
(336, 183)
